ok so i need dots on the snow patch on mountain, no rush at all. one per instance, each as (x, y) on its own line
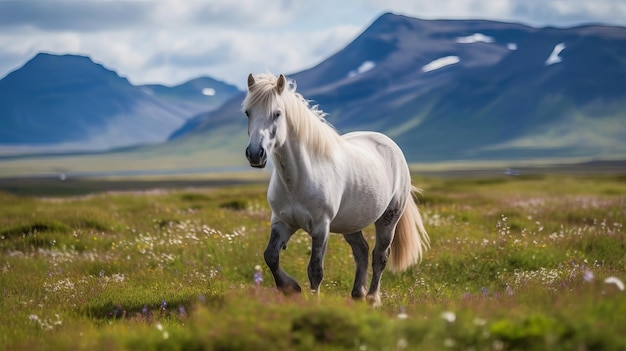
(475, 38)
(208, 92)
(440, 63)
(364, 67)
(554, 56)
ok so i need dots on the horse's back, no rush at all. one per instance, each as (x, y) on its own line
(379, 145)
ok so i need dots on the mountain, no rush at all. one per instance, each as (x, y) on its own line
(197, 95)
(69, 103)
(466, 90)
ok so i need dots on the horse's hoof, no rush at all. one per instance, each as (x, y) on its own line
(359, 294)
(373, 300)
(291, 289)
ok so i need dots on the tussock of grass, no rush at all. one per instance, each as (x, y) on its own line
(236, 205)
(34, 227)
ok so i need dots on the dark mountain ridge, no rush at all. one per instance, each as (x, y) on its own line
(469, 89)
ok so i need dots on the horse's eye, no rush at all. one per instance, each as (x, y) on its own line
(247, 113)
(276, 114)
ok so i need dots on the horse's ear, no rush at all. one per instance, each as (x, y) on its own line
(280, 84)
(250, 80)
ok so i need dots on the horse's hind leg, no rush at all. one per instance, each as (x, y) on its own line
(279, 235)
(385, 228)
(360, 251)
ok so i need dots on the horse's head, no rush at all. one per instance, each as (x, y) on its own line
(265, 108)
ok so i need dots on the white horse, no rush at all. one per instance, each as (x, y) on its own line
(323, 182)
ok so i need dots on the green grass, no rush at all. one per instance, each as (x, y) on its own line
(517, 263)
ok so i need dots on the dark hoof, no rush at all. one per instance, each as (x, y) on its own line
(291, 289)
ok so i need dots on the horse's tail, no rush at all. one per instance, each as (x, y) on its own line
(410, 240)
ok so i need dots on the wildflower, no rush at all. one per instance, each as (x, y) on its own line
(402, 343)
(449, 316)
(258, 275)
(449, 342)
(402, 314)
(163, 305)
(480, 322)
(616, 281)
(588, 275)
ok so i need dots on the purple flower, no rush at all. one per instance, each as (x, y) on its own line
(163, 304)
(588, 275)
(258, 275)
(258, 278)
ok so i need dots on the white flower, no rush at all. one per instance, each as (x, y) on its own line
(614, 280)
(449, 316)
(402, 314)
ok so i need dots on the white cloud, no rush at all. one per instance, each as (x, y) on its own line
(440, 63)
(170, 41)
(532, 12)
(511, 46)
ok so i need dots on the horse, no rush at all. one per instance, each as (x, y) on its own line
(324, 182)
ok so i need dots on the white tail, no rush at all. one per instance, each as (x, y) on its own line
(410, 240)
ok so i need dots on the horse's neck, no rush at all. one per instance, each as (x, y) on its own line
(292, 164)
(299, 158)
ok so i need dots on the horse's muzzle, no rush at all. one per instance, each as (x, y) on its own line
(257, 158)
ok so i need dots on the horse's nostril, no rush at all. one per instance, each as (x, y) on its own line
(248, 153)
(262, 153)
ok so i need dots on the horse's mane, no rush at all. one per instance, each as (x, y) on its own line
(307, 122)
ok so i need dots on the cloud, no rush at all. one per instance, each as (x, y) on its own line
(532, 12)
(73, 15)
(568, 13)
(170, 41)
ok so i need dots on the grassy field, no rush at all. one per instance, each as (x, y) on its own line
(517, 263)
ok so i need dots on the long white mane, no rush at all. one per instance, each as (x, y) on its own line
(307, 122)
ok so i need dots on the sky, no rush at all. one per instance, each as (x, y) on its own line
(171, 41)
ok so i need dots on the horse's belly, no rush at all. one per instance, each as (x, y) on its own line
(340, 226)
(355, 216)
(308, 217)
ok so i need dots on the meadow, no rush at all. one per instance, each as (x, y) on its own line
(529, 262)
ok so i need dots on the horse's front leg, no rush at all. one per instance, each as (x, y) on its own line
(279, 236)
(360, 250)
(319, 241)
